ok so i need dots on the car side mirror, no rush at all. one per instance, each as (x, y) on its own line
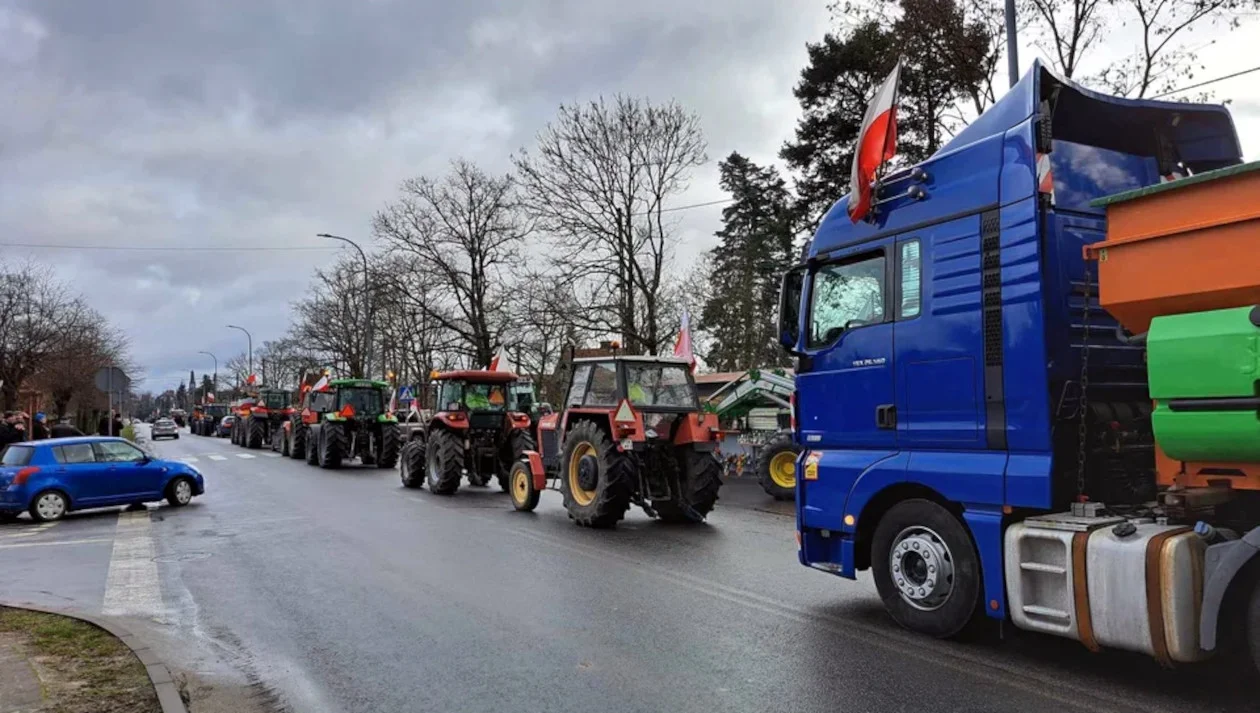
(790, 308)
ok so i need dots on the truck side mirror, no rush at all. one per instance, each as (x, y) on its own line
(790, 308)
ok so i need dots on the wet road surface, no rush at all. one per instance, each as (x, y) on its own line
(303, 589)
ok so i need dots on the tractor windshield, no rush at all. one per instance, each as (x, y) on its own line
(217, 410)
(522, 398)
(459, 395)
(664, 385)
(275, 399)
(365, 402)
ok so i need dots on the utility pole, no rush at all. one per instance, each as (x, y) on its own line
(215, 379)
(1012, 51)
(367, 302)
(250, 337)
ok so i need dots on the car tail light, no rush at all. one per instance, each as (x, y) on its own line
(24, 474)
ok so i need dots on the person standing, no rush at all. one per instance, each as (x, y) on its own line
(118, 424)
(64, 429)
(102, 425)
(14, 430)
(39, 427)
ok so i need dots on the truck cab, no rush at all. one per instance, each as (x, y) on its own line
(955, 371)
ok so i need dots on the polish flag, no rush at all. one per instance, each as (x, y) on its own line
(393, 401)
(251, 379)
(321, 384)
(682, 347)
(499, 362)
(877, 142)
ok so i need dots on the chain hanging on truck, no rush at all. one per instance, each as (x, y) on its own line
(1084, 407)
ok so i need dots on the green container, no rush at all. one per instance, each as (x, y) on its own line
(1205, 355)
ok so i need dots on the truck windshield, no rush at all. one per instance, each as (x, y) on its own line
(659, 385)
(364, 401)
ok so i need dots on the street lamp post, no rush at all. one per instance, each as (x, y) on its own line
(367, 348)
(250, 337)
(216, 370)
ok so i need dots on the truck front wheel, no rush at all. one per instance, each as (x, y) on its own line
(926, 569)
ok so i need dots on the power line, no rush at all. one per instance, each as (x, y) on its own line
(1210, 81)
(165, 248)
(689, 207)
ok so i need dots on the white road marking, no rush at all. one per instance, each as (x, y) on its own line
(272, 454)
(217, 457)
(188, 459)
(132, 586)
(29, 531)
(54, 542)
(244, 455)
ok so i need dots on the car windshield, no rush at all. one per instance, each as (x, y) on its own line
(364, 401)
(664, 385)
(17, 455)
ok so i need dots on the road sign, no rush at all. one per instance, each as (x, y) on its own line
(112, 380)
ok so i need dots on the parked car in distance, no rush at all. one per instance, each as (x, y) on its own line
(164, 428)
(51, 477)
(225, 427)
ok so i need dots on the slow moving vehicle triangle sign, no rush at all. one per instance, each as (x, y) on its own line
(624, 413)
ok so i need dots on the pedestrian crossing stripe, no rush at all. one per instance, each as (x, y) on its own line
(272, 455)
(217, 457)
(188, 459)
(244, 455)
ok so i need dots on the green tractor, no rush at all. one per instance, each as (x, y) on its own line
(345, 420)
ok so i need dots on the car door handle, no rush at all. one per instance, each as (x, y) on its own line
(886, 416)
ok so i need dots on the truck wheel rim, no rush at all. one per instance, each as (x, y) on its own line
(520, 485)
(578, 462)
(922, 568)
(783, 469)
(50, 506)
(183, 492)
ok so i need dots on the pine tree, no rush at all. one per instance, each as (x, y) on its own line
(192, 388)
(947, 58)
(755, 249)
(207, 386)
(181, 396)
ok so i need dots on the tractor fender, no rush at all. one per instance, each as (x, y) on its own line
(697, 428)
(534, 461)
(1222, 564)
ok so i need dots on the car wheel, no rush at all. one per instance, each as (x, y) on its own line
(48, 506)
(180, 492)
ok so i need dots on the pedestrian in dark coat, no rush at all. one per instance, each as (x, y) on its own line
(39, 427)
(102, 426)
(14, 430)
(64, 430)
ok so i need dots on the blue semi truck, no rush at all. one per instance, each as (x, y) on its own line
(976, 428)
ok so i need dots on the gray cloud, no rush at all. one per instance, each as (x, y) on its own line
(262, 122)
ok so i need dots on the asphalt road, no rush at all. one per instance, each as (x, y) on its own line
(288, 587)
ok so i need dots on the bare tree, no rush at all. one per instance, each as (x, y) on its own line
(1068, 28)
(465, 232)
(327, 322)
(410, 340)
(546, 321)
(1160, 62)
(38, 317)
(68, 373)
(598, 180)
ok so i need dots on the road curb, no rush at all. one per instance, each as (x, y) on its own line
(159, 675)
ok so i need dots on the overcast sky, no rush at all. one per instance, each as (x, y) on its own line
(261, 122)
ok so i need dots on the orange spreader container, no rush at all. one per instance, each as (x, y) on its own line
(1190, 245)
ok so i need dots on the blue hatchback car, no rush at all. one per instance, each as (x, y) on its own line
(49, 478)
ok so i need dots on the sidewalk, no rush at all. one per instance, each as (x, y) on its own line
(19, 685)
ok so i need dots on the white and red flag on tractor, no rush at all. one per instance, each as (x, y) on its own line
(682, 346)
(393, 401)
(321, 384)
(500, 361)
(877, 142)
(251, 379)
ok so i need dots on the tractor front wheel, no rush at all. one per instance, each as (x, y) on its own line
(411, 466)
(255, 436)
(297, 441)
(388, 446)
(595, 477)
(519, 442)
(332, 445)
(444, 462)
(776, 467)
(699, 479)
(521, 488)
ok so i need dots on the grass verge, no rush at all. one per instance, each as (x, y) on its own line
(82, 669)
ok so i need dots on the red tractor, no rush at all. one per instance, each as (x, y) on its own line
(632, 432)
(261, 419)
(478, 428)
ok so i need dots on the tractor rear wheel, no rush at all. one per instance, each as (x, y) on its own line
(519, 442)
(332, 445)
(444, 462)
(312, 447)
(595, 477)
(776, 467)
(388, 446)
(256, 435)
(411, 464)
(297, 441)
(699, 479)
(524, 494)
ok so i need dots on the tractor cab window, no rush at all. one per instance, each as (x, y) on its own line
(663, 385)
(603, 391)
(276, 399)
(521, 398)
(485, 397)
(364, 401)
(581, 379)
(846, 295)
(323, 401)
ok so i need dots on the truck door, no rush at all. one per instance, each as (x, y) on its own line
(845, 387)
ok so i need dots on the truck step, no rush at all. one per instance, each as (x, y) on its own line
(1046, 612)
(1042, 567)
